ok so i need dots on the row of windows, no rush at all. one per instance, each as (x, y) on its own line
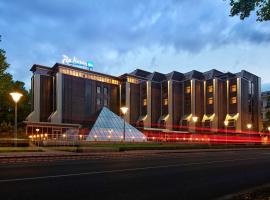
(210, 89)
(105, 101)
(89, 76)
(165, 102)
(133, 80)
(233, 100)
(105, 90)
(210, 101)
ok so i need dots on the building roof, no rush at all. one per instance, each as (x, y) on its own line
(35, 66)
(212, 74)
(226, 75)
(174, 75)
(194, 74)
(266, 93)
(246, 74)
(156, 76)
(140, 73)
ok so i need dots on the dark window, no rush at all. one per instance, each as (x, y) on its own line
(105, 102)
(105, 91)
(98, 90)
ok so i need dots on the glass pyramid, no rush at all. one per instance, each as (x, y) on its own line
(110, 127)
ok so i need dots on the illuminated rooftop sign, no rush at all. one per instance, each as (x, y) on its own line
(77, 63)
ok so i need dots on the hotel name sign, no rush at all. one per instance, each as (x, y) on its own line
(77, 63)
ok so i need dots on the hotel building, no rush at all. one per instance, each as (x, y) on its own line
(265, 108)
(64, 97)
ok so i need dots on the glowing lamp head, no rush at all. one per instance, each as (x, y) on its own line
(194, 119)
(249, 126)
(226, 123)
(268, 128)
(124, 110)
(15, 96)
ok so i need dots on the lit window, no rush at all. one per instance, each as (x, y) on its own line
(144, 102)
(210, 100)
(233, 100)
(98, 101)
(188, 90)
(98, 90)
(165, 102)
(233, 88)
(105, 91)
(210, 88)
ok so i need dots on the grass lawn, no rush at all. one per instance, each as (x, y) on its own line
(19, 149)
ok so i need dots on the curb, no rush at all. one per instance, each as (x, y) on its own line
(72, 154)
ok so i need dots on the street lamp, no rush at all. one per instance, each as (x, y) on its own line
(249, 126)
(226, 123)
(195, 119)
(124, 112)
(16, 97)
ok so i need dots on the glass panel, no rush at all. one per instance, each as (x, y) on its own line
(109, 126)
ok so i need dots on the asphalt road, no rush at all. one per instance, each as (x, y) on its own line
(202, 175)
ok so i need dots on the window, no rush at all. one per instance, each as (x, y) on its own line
(233, 88)
(98, 90)
(144, 102)
(210, 100)
(105, 91)
(165, 102)
(210, 88)
(233, 100)
(188, 90)
(105, 102)
(98, 101)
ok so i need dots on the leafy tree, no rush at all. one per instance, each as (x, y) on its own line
(7, 85)
(245, 7)
(267, 116)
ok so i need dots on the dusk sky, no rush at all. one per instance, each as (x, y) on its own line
(122, 35)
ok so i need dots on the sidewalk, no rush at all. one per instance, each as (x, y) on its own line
(55, 153)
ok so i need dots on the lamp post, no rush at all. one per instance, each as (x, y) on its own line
(249, 126)
(226, 123)
(37, 130)
(124, 112)
(194, 119)
(16, 97)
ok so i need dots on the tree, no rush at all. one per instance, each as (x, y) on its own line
(7, 85)
(245, 7)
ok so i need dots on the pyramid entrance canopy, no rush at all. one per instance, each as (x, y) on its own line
(110, 127)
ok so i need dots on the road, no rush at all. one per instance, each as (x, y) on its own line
(201, 175)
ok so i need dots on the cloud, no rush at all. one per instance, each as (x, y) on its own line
(115, 33)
